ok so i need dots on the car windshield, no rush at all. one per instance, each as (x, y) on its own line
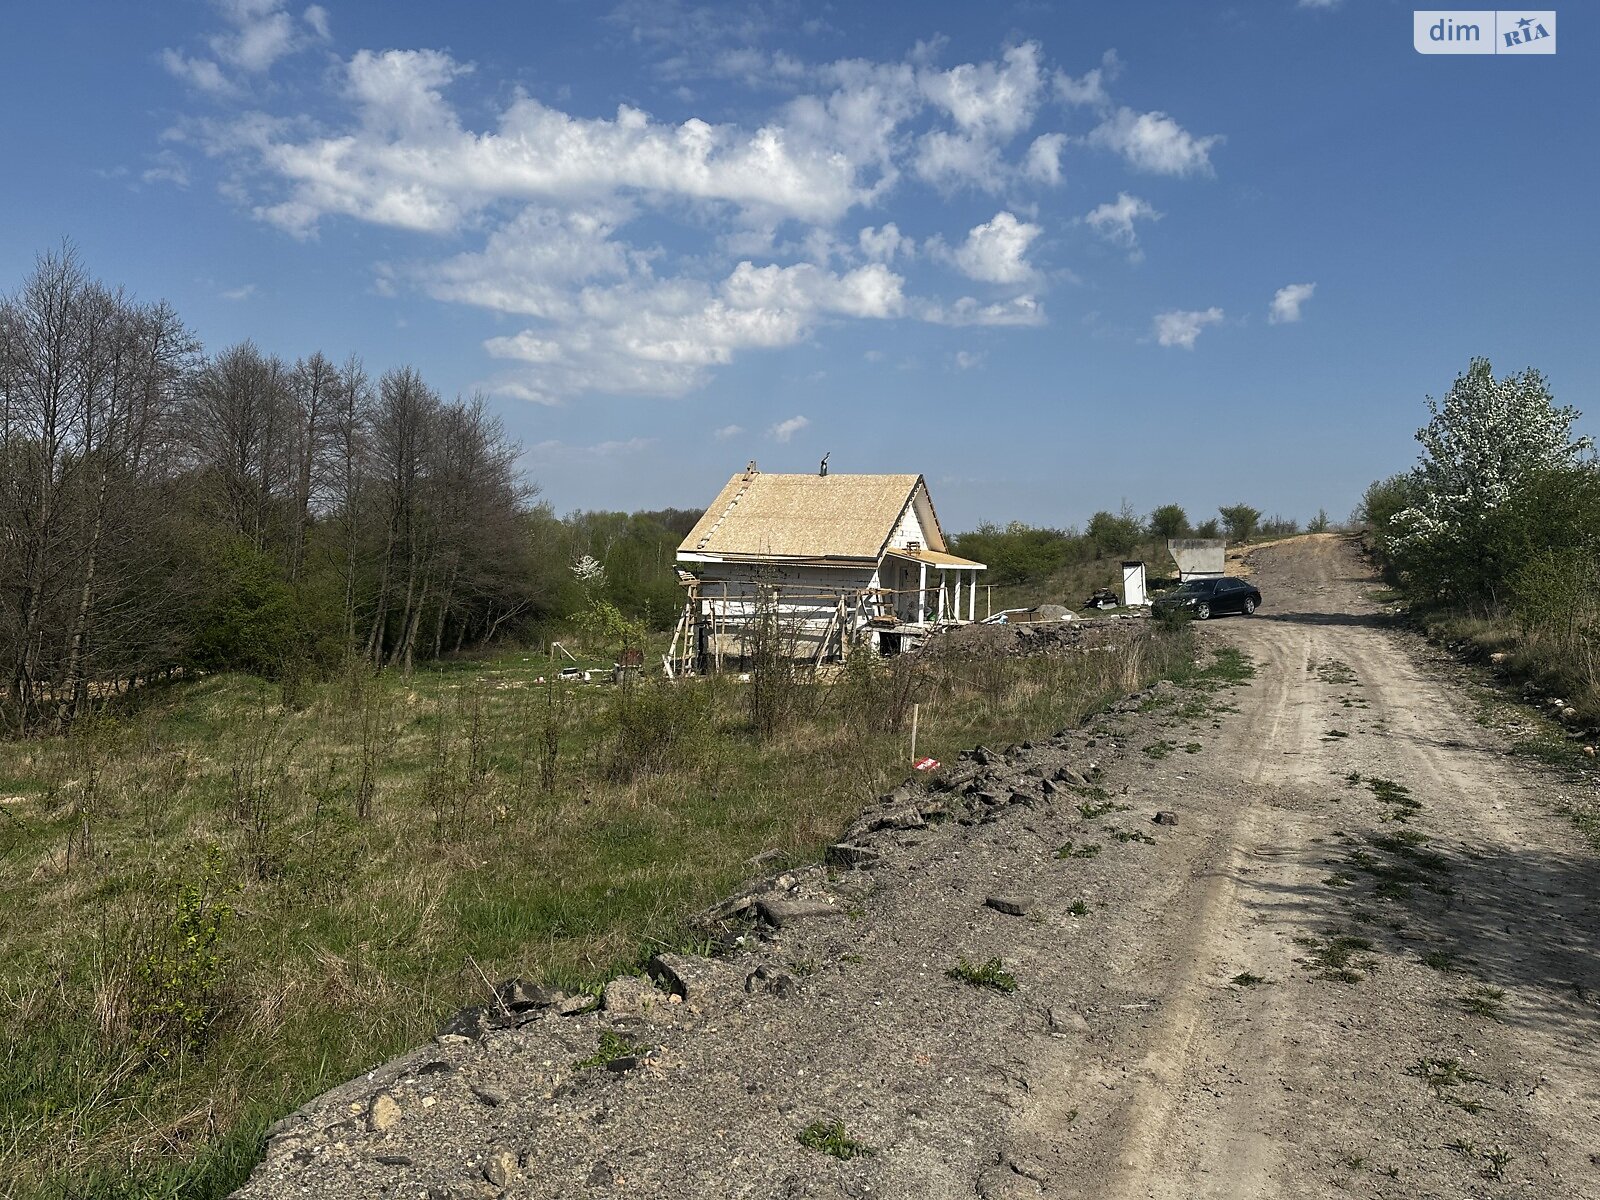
(1198, 585)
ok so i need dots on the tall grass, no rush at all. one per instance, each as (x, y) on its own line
(224, 903)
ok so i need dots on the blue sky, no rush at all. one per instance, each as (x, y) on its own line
(1053, 256)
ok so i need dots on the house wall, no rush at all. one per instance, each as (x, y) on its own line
(807, 604)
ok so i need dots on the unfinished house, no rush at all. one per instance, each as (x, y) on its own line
(825, 560)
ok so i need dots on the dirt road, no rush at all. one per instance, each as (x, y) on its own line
(1425, 926)
(1363, 962)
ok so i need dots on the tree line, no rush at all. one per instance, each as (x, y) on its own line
(1019, 553)
(164, 509)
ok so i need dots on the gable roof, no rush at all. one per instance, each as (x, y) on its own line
(804, 516)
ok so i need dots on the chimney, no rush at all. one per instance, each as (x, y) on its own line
(822, 467)
(750, 469)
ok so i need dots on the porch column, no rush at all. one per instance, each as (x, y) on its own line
(941, 598)
(922, 594)
(972, 599)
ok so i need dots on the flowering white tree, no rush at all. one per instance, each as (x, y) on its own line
(590, 572)
(1487, 436)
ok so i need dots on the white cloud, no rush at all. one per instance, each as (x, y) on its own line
(410, 164)
(1179, 328)
(997, 250)
(551, 451)
(259, 33)
(950, 160)
(1319, 3)
(992, 99)
(607, 323)
(967, 360)
(1089, 88)
(881, 244)
(988, 104)
(1286, 303)
(1114, 221)
(317, 17)
(244, 292)
(727, 431)
(784, 430)
(1043, 163)
(640, 253)
(199, 73)
(1155, 143)
(167, 167)
(1018, 311)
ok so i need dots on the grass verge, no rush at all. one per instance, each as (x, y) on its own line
(222, 905)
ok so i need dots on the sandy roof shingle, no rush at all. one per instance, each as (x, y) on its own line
(802, 516)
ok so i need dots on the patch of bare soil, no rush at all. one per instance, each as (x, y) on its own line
(1362, 961)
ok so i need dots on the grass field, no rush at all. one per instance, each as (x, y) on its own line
(231, 899)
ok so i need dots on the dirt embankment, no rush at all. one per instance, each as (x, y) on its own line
(1362, 962)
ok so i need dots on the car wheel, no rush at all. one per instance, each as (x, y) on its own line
(1249, 605)
(1202, 612)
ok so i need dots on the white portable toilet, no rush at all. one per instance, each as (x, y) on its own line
(1133, 594)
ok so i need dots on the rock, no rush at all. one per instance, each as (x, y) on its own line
(1062, 1018)
(1071, 778)
(780, 911)
(1004, 1182)
(573, 1005)
(383, 1112)
(1012, 906)
(1569, 716)
(601, 1175)
(395, 1160)
(491, 1096)
(1589, 750)
(726, 910)
(501, 1168)
(518, 995)
(471, 1022)
(1165, 818)
(844, 854)
(437, 1067)
(765, 859)
(772, 981)
(947, 781)
(705, 984)
(900, 818)
(985, 756)
(633, 996)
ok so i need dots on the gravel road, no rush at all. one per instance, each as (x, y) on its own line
(1362, 962)
(1307, 1085)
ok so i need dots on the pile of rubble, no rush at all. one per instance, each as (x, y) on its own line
(1028, 641)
